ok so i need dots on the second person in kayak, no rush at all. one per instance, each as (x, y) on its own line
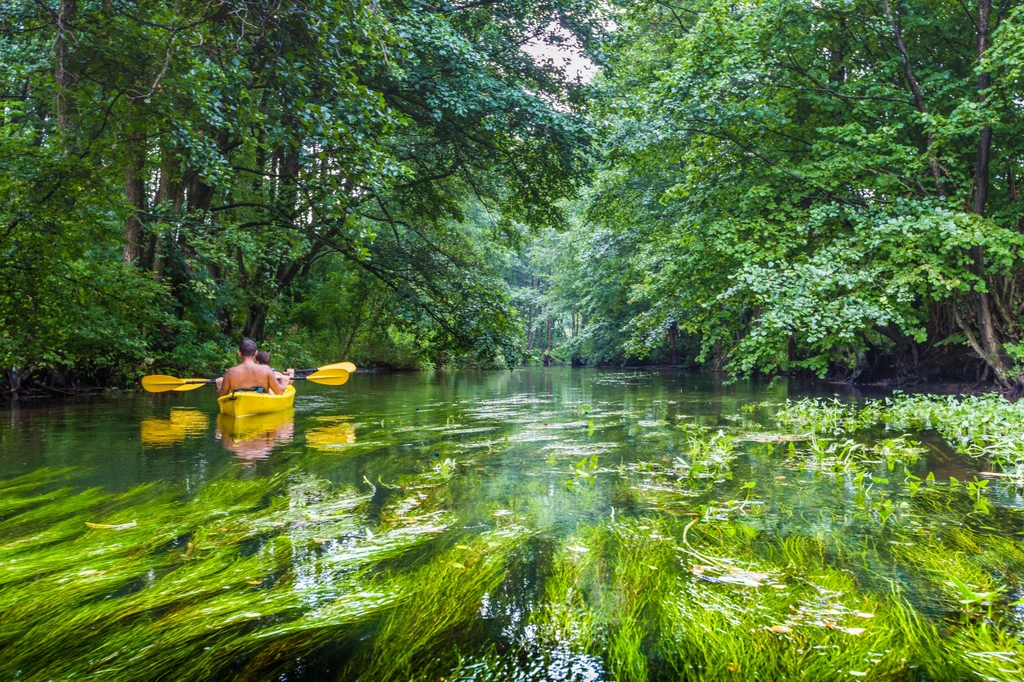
(249, 376)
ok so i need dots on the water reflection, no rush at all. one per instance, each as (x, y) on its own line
(183, 422)
(337, 434)
(255, 437)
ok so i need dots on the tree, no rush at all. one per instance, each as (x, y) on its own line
(222, 149)
(814, 185)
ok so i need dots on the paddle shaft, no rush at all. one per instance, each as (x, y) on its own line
(213, 381)
(157, 383)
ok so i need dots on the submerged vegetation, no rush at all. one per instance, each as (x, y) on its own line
(483, 538)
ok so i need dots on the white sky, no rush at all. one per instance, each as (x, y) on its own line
(575, 63)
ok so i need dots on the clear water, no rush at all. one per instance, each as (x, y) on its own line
(558, 485)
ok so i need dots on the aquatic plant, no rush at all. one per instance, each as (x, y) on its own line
(708, 453)
(139, 585)
(986, 425)
(442, 596)
(718, 604)
(812, 415)
(709, 551)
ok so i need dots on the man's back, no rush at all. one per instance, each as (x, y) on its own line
(248, 376)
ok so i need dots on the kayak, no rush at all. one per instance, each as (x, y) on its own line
(245, 403)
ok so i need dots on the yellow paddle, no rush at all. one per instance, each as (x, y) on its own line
(347, 366)
(327, 377)
(160, 383)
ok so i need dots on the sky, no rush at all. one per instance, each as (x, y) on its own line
(576, 64)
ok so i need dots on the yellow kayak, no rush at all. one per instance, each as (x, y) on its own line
(245, 403)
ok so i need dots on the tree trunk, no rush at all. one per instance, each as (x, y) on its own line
(135, 196)
(673, 334)
(985, 139)
(915, 90)
(255, 321)
(529, 319)
(64, 78)
(988, 343)
(169, 191)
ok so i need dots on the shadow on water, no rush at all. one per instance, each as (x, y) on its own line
(542, 524)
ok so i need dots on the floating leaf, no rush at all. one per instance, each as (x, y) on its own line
(111, 526)
(748, 578)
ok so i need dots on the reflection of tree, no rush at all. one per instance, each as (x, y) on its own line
(255, 437)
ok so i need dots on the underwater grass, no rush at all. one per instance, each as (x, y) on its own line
(249, 572)
(665, 553)
(444, 596)
(664, 599)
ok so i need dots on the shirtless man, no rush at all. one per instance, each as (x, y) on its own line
(249, 375)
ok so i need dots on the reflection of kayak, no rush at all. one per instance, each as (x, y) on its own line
(245, 403)
(245, 428)
(182, 423)
(255, 437)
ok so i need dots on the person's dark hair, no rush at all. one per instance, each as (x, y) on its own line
(247, 348)
(263, 358)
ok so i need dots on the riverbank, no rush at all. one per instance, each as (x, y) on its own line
(58, 386)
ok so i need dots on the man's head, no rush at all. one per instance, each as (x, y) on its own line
(263, 358)
(247, 349)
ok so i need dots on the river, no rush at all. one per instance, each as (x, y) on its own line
(540, 524)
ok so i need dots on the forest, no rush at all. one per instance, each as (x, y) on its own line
(828, 189)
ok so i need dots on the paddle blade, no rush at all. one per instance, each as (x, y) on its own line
(192, 384)
(329, 377)
(347, 366)
(160, 383)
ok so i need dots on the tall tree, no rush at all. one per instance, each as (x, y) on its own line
(812, 184)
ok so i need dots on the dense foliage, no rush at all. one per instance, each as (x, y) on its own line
(327, 176)
(829, 188)
(817, 187)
